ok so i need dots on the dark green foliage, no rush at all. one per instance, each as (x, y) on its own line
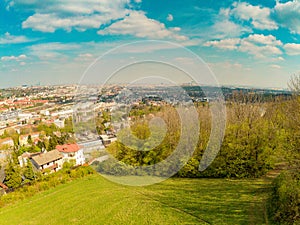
(29, 140)
(284, 202)
(53, 142)
(29, 173)
(13, 178)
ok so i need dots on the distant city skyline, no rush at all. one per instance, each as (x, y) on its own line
(245, 43)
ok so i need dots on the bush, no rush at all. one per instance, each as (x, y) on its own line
(45, 182)
(284, 202)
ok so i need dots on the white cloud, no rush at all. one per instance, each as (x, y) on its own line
(170, 17)
(258, 45)
(225, 28)
(53, 50)
(48, 15)
(258, 16)
(7, 38)
(274, 66)
(292, 49)
(85, 57)
(228, 44)
(288, 15)
(279, 59)
(22, 63)
(51, 22)
(109, 17)
(139, 25)
(263, 39)
(14, 58)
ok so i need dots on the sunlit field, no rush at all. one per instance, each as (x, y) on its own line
(94, 200)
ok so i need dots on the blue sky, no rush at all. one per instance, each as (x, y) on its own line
(253, 43)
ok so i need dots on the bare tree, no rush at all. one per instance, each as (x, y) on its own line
(294, 84)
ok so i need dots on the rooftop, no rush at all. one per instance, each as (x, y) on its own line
(68, 148)
(47, 157)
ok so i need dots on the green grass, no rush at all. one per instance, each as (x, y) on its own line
(94, 200)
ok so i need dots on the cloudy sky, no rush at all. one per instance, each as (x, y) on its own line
(254, 43)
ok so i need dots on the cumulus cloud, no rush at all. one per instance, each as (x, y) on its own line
(257, 45)
(14, 58)
(288, 15)
(227, 28)
(258, 16)
(224, 27)
(292, 49)
(7, 38)
(138, 24)
(227, 44)
(51, 22)
(108, 17)
(48, 15)
(264, 39)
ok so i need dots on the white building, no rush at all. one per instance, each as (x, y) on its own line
(49, 161)
(72, 152)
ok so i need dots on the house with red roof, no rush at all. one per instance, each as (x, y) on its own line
(72, 152)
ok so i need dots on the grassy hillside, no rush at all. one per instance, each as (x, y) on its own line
(94, 200)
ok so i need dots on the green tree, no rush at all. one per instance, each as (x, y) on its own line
(52, 143)
(29, 174)
(29, 140)
(13, 178)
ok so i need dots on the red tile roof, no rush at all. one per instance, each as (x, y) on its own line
(68, 148)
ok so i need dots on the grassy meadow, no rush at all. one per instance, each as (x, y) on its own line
(94, 200)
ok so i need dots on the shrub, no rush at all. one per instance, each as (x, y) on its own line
(284, 202)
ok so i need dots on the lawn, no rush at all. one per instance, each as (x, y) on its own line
(94, 200)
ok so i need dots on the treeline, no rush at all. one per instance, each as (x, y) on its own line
(258, 135)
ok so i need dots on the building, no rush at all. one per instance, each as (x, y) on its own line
(52, 161)
(59, 123)
(107, 139)
(26, 156)
(72, 152)
(90, 147)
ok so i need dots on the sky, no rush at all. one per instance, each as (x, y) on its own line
(249, 43)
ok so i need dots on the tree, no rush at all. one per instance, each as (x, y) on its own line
(29, 140)
(294, 84)
(52, 143)
(13, 178)
(29, 174)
